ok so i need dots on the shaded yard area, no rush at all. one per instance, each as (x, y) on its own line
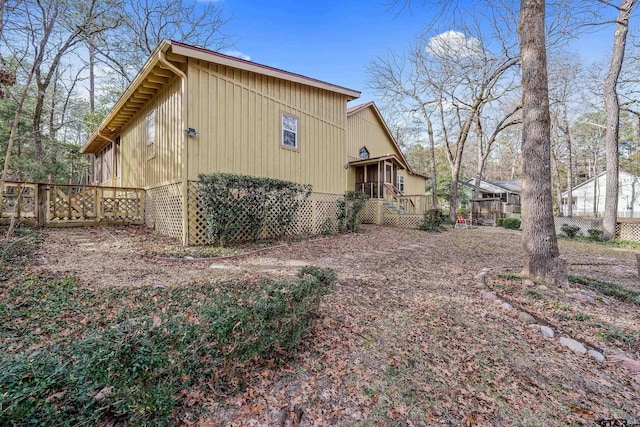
(404, 338)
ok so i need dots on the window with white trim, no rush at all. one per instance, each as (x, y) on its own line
(289, 125)
(401, 183)
(151, 127)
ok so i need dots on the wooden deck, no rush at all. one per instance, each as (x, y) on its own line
(59, 205)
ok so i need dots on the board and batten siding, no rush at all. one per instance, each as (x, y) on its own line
(413, 184)
(364, 129)
(147, 166)
(237, 115)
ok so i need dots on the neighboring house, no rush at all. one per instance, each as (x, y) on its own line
(191, 111)
(497, 199)
(506, 191)
(589, 196)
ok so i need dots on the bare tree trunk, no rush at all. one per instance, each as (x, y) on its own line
(541, 255)
(481, 158)
(432, 169)
(612, 108)
(569, 170)
(92, 78)
(556, 168)
(37, 123)
(14, 128)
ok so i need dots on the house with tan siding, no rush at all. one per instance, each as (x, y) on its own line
(192, 111)
(377, 161)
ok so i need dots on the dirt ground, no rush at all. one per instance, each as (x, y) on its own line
(117, 256)
(405, 337)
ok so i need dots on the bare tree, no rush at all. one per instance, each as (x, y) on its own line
(486, 144)
(542, 257)
(564, 86)
(612, 109)
(447, 79)
(42, 34)
(143, 24)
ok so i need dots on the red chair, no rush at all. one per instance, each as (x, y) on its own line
(462, 222)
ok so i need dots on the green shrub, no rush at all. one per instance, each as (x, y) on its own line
(499, 222)
(595, 234)
(237, 205)
(570, 230)
(511, 223)
(349, 210)
(131, 370)
(432, 220)
(462, 211)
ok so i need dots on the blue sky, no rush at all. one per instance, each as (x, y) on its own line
(331, 41)
(336, 41)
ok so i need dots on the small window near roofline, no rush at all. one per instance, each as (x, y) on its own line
(289, 125)
(401, 183)
(151, 127)
(364, 153)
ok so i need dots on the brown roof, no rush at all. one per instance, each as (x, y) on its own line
(243, 64)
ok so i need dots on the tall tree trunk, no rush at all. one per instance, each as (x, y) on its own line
(92, 78)
(541, 255)
(480, 166)
(612, 108)
(567, 136)
(38, 145)
(14, 128)
(432, 169)
(556, 168)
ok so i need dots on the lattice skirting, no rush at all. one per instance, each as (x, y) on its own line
(628, 231)
(163, 210)
(584, 224)
(318, 214)
(624, 230)
(402, 220)
(370, 211)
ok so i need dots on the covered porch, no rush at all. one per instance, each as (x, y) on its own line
(378, 177)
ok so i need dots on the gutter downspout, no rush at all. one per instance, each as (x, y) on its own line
(113, 149)
(185, 146)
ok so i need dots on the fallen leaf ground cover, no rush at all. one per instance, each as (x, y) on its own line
(403, 338)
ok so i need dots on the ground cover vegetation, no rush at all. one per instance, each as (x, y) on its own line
(73, 355)
(403, 338)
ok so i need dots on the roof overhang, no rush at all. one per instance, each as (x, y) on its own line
(375, 160)
(230, 61)
(150, 80)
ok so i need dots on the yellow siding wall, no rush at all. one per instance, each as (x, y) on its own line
(237, 116)
(414, 184)
(364, 129)
(143, 165)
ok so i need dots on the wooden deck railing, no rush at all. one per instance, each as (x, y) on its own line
(412, 204)
(59, 204)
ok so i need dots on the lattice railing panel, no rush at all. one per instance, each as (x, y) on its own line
(18, 200)
(163, 210)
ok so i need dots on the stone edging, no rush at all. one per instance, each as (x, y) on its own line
(525, 317)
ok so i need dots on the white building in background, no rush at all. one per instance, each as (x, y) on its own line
(589, 196)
